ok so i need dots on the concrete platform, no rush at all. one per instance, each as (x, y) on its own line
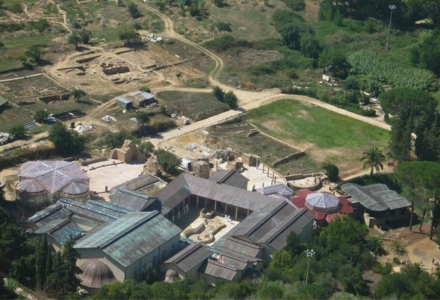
(110, 175)
(257, 178)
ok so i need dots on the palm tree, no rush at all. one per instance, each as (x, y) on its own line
(374, 159)
(77, 94)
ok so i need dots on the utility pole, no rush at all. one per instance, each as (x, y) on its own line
(309, 254)
(392, 7)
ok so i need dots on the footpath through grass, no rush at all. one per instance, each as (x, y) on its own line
(290, 120)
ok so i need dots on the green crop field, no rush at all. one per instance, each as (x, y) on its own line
(196, 106)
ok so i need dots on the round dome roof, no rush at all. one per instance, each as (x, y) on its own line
(95, 274)
(324, 202)
(30, 186)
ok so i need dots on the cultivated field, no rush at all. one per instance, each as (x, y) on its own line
(196, 106)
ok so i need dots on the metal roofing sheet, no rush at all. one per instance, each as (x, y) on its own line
(243, 247)
(95, 210)
(229, 177)
(52, 175)
(132, 236)
(76, 188)
(124, 100)
(190, 257)
(185, 185)
(278, 189)
(375, 197)
(131, 200)
(218, 270)
(30, 186)
(60, 230)
(49, 214)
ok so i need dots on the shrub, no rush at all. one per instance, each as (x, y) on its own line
(222, 26)
(18, 131)
(2, 45)
(226, 42)
(167, 160)
(15, 8)
(351, 83)
(296, 5)
(231, 100)
(66, 142)
(261, 70)
(396, 260)
(40, 116)
(145, 89)
(291, 74)
(218, 93)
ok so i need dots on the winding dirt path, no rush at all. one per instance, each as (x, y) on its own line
(64, 23)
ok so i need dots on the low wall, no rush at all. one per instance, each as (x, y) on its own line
(87, 59)
(50, 98)
(302, 176)
(93, 160)
(115, 70)
(288, 158)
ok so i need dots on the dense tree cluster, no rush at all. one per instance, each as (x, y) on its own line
(227, 97)
(66, 142)
(167, 160)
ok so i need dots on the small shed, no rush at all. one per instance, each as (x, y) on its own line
(142, 99)
(124, 102)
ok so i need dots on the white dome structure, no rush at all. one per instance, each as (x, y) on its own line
(323, 202)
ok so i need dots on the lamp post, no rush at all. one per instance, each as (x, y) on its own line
(309, 254)
(392, 7)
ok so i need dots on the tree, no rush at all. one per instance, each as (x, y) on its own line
(134, 11)
(18, 131)
(231, 100)
(422, 176)
(218, 93)
(351, 83)
(40, 116)
(66, 142)
(218, 2)
(310, 47)
(373, 159)
(332, 171)
(2, 45)
(85, 36)
(336, 60)
(78, 94)
(146, 148)
(167, 160)
(149, 275)
(34, 52)
(70, 255)
(291, 35)
(41, 263)
(129, 36)
(74, 39)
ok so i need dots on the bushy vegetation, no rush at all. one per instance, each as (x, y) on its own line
(66, 142)
(39, 25)
(367, 62)
(296, 5)
(167, 160)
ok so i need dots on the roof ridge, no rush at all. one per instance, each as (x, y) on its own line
(58, 225)
(275, 231)
(187, 251)
(138, 223)
(244, 243)
(265, 218)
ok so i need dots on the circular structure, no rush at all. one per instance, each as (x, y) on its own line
(42, 183)
(323, 202)
(95, 274)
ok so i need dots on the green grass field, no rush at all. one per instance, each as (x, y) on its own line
(196, 106)
(290, 120)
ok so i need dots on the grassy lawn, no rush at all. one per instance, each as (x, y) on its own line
(196, 106)
(290, 120)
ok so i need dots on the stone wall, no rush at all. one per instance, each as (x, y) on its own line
(288, 158)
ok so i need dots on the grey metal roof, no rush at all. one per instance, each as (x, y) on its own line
(131, 200)
(61, 230)
(94, 210)
(276, 189)
(190, 257)
(124, 100)
(218, 270)
(375, 197)
(185, 185)
(131, 237)
(234, 259)
(137, 183)
(52, 175)
(229, 177)
(239, 246)
(49, 214)
(272, 224)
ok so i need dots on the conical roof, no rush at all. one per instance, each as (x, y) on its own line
(30, 186)
(95, 274)
(323, 202)
(76, 188)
